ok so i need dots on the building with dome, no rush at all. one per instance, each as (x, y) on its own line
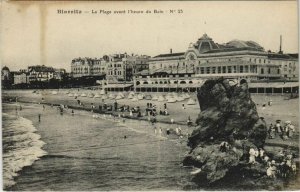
(206, 59)
(6, 77)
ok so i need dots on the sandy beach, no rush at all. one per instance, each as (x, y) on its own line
(84, 136)
(280, 109)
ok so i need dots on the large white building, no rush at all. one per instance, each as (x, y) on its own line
(21, 77)
(206, 59)
(121, 67)
(81, 67)
(116, 67)
(40, 73)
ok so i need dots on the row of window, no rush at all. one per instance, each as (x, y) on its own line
(262, 71)
(253, 60)
(226, 69)
(80, 72)
(115, 65)
(94, 68)
(258, 60)
(114, 72)
(97, 69)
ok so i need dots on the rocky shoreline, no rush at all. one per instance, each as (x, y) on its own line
(228, 143)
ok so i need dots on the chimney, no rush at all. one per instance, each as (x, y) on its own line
(170, 51)
(280, 48)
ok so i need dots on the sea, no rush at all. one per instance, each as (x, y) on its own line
(44, 149)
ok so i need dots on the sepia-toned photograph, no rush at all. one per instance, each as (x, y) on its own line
(149, 96)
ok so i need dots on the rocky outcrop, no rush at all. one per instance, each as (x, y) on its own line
(228, 114)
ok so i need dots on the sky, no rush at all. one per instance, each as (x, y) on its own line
(33, 33)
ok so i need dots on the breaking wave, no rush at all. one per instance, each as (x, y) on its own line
(21, 146)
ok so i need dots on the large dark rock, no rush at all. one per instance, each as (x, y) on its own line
(227, 114)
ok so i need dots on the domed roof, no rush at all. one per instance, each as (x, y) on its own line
(205, 43)
(241, 44)
(5, 68)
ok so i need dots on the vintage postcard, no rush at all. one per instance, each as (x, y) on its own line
(154, 95)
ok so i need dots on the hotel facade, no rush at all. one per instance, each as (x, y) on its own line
(206, 59)
(116, 67)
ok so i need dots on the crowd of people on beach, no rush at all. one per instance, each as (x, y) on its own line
(284, 131)
(282, 165)
(150, 112)
(120, 116)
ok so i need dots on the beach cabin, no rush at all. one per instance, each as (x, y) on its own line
(71, 95)
(134, 98)
(171, 99)
(102, 92)
(104, 97)
(191, 101)
(161, 98)
(154, 98)
(140, 96)
(91, 95)
(111, 96)
(130, 96)
(148, 97)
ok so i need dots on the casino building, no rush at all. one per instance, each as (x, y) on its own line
(206, 59)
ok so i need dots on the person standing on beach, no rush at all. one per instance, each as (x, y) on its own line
(116, 105)
(130, 113)
(17, 112)
(39, 117)
(160, 132)
(166, 111)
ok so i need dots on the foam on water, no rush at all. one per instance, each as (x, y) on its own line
(21, 146)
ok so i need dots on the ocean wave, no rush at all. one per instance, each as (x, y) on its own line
(21, 146)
